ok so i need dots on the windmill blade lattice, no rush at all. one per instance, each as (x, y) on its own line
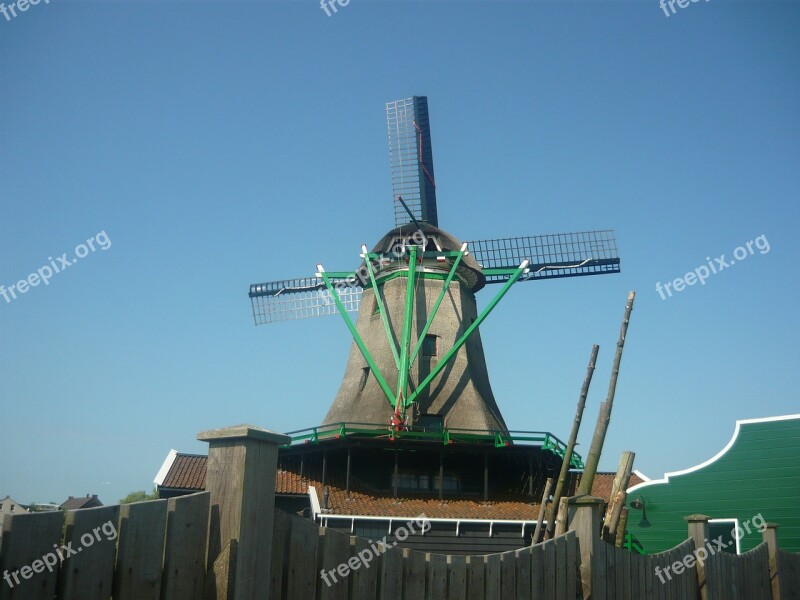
(411, 158)
(551, 256)
(303, 298)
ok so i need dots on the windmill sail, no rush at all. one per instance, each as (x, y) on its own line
(303, 298)
(550, 256)
(411, 159)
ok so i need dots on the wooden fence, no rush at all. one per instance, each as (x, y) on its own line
(789, 567)
(229, 543)
(149, 550)
(352, 568)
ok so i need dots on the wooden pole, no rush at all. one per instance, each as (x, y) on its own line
(573, 437)
(770, 536)
(587, 479)
(698, 531)
(583, 517)
(622, 526)
(242, 462)
(547, 487)
(618, 496)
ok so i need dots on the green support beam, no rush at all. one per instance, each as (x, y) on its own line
(381, 308)
(463, 339)
(445, 287)
(357, 338)
(402, 380)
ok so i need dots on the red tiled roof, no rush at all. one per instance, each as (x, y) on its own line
(188, 472)
(368, 505)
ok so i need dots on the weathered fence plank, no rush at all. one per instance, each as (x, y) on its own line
(457, 578)
(549, 573)
(334, 550)
(185, 552)
(414, 568)
(573, 565)
(280, 551)
(789, 575)
(508, 574)
(743, 577)
(437, 575)
(493, 575)
(537, 573)
(365, 579)
(562, 570)
(27, 538)
(90, 575)
(476, 578)
(302, 574)
(140, 550)
(392, 574)
(523, 559)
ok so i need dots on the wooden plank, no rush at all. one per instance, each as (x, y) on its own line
(649, 577)
(185, 551)
(600, 579)
(457, 578)
(641, 568)
(508, 574)
(537, 572)
(280, 551)
(391, 574)
(414, 569)
(561, 567)
(27, 539)
(140, 550)
(493, 575)
(221, 575)
(302, 574)
(573, 565)
(90, 574)
(549, 571)
(476, 578)
(334, 550)
(621, 573)
(365, 578)
(629, 575)
(437, 575)
(523, 577)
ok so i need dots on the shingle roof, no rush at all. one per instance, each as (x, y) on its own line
(79, 502)
(188, 471)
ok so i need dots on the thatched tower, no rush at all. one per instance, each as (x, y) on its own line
(461, 395)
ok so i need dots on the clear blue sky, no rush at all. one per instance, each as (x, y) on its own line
(221, 144)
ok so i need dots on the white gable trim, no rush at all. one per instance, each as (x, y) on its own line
(168, 462)
(719, 454)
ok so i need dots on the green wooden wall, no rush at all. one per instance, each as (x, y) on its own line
(757, 474)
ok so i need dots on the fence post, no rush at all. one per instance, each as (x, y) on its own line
(242, 463)
(583, 517)
(770, 536)
(698, 531)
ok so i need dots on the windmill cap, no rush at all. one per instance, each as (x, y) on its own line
(469, 269)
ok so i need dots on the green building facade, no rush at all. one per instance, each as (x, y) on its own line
(753, 480)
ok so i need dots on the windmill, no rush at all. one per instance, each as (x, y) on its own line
(417, 360)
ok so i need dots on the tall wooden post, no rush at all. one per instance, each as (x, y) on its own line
(698, 531)
(770, 536)
(573, 438)
(618, 496)
(242, 463)
(587, 479)
(545, 495)
(583, 517)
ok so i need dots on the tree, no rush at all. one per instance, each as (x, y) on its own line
(140, 496)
